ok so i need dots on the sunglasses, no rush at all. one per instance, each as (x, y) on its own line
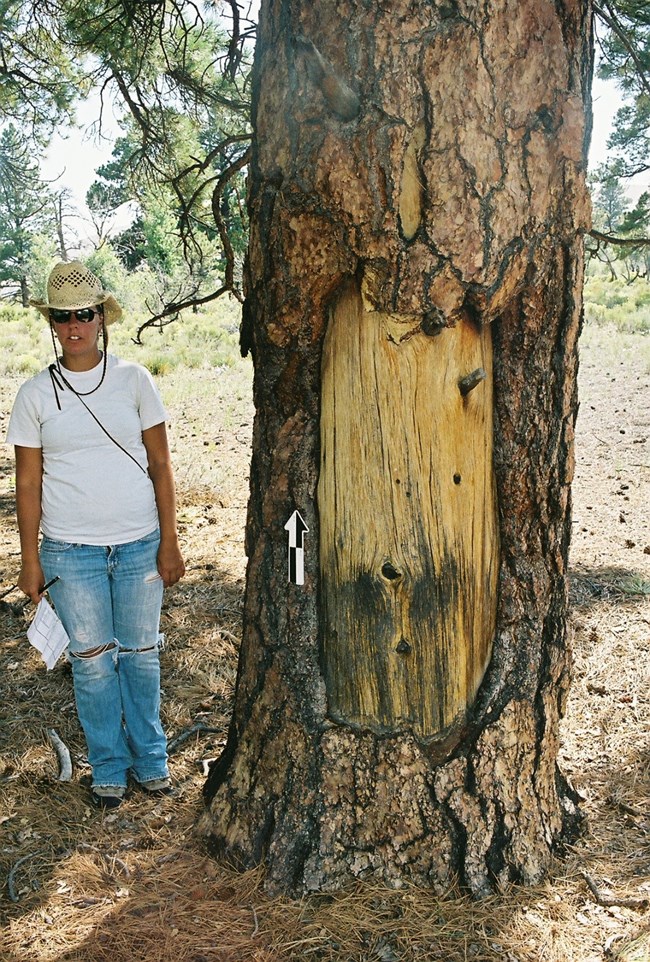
(85, 315)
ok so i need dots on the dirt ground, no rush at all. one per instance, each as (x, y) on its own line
(136, 884)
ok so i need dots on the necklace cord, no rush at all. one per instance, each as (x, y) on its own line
(55, 373)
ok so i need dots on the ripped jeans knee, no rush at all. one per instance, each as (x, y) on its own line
(116, 651)
(94, 652)
(113, 647)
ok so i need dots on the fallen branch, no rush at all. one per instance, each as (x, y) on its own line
(15, 607)
(65, 761)
(11, 887)
(198, 729)
(611, 901)
(205, 764)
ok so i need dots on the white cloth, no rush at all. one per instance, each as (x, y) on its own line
(92, 492)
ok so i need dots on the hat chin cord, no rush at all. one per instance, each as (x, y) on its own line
(57, 366)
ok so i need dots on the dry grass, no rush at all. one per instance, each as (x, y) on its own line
(137, 885)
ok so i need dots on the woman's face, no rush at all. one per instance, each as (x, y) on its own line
(78, 337)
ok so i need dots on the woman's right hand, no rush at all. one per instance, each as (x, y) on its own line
(31, 580)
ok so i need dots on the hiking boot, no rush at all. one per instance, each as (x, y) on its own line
(107, 796)
(157, 786)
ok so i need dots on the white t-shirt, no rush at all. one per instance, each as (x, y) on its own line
(92, 492)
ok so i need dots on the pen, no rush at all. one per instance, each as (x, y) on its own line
(48, 585)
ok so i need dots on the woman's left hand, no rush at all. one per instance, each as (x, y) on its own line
(171, 566)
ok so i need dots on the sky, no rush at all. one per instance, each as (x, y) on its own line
(74, 155)
(605, 102)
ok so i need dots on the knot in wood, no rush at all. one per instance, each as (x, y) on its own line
(403, 648)
(433, 322)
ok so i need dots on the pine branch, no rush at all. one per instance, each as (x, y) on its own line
(619, 241)
(171, 311)
(226, 176)
(610, 19)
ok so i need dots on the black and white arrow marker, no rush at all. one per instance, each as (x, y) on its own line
(296, 528)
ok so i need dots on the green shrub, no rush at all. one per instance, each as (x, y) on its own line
(27, 364)
(642, 298)
(613, 302)
(158, 366)
(614, 298)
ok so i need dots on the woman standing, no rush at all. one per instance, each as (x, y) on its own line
(93, 474)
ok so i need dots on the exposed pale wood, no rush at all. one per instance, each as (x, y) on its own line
(412, 193)
(409, 543)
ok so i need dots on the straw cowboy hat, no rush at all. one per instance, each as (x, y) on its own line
(71, 287)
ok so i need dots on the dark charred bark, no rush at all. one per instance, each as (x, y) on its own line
(450, 199)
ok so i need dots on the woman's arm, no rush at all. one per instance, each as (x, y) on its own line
(171, 566)
(29, 483)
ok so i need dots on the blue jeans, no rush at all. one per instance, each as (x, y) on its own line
(109, 601)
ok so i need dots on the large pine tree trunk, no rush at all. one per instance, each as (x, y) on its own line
(417, 197)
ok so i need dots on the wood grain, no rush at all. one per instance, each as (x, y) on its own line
(409, 543)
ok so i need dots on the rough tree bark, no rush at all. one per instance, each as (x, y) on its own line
(417, 199)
